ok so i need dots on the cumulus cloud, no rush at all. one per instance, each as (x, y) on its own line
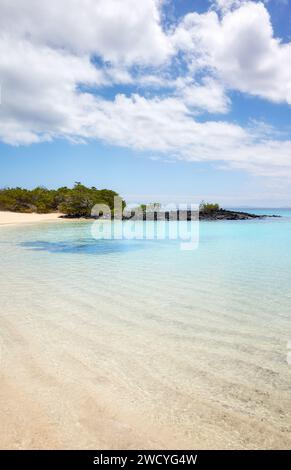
(209, 95)
(39, 90)
(240, 49)
(119, 31)
(167, 126)
(56, 57)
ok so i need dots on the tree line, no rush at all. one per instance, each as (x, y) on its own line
(76, 202)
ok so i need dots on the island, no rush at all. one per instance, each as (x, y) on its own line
(77, 202)
(207, 212)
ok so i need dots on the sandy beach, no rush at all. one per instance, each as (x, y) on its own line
(15, 218)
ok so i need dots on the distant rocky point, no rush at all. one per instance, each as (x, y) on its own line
(218, 214)
(161, 215)
(223, 214)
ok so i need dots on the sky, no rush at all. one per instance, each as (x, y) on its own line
(171, 101)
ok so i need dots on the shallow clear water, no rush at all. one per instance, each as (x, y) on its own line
(190, 347)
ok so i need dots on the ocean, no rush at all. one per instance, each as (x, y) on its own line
(139, 344)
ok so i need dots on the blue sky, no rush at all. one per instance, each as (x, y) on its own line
(159, 100)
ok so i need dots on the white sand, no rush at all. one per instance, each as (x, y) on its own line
(15, 218)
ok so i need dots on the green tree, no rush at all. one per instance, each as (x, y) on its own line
(77, 201)
(208, 208)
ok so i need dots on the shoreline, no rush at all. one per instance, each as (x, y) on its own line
(18, 218)
(8, 218)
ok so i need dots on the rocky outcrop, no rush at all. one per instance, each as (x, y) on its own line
(220, 214)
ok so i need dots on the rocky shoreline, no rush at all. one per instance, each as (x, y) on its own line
(220, 214)
(223, 214)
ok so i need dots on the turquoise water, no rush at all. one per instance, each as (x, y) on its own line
(281, 212)
(190, 345)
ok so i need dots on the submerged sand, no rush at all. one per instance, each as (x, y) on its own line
(125, 352)
(61, 390)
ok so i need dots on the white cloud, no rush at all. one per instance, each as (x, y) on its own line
(240, 49)
(167, 126)
(126, 31)
(39, 89)
(209, 96)
(48, 70)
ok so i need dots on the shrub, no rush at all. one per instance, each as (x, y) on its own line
(208, 208)
(77, 201)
